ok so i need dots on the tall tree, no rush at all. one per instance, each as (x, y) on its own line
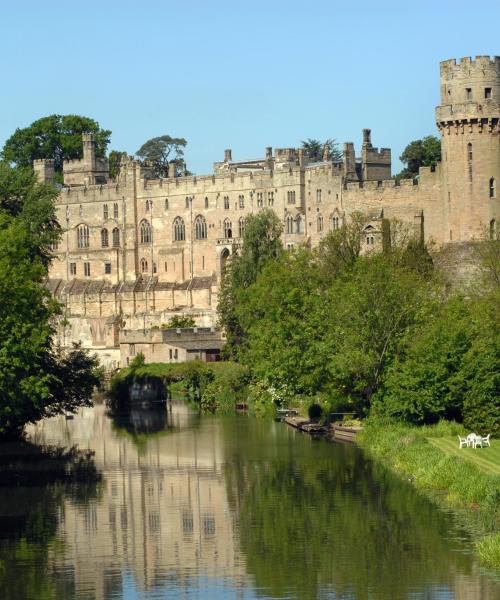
(161, 151)
(261, 244)
(420, 153)
(36, 380)
(56, 136)
(315, 149)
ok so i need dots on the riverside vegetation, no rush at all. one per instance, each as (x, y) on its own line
(380, 335)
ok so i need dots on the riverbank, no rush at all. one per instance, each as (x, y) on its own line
(449, 480)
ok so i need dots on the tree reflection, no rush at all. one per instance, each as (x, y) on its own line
(339, 523)
(34, 482)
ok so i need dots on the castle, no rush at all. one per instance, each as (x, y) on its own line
(137, 250)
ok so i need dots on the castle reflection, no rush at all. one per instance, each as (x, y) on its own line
(163, 515)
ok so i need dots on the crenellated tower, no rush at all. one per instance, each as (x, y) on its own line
(468, 120)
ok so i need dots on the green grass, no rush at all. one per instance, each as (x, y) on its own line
(487, 459)
(466, 480)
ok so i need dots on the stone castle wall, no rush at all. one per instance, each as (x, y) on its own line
(145, 249)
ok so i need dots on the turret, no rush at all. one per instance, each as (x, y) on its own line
(44, 170)
(88, 140)
(468, 120)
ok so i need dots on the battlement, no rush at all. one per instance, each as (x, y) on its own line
(467, 62)
(470, 81)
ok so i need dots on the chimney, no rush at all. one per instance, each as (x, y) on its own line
(367, 137)
(228, 157)
(269, 152)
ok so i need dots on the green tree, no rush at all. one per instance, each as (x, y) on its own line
(282, 315)
(161, 151)
(339, 249)
(56, 136)
(36, 380)
(261, 244)
(375, 311)
(487, 256)
(32, 204)
(115, 158)
(179, 321)
(426, 384)
(315, 149)
(420, 153)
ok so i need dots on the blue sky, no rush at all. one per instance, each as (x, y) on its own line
(243, 75)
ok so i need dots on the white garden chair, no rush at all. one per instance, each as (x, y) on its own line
(463, 442)
(471, 440)
(486, 440)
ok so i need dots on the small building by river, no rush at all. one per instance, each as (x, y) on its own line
(171, 345)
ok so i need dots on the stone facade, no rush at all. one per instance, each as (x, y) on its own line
(148, 248)
(171, 345)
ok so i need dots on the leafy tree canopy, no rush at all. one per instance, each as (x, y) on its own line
(420, 153)
(36, 380)
(179, 321)
(261, 244)
(315, 149)
(115, 157)
(161, 151)
(56, 136)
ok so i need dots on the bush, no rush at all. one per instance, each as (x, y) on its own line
(213, 387)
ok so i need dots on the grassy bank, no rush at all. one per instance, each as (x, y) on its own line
(421, 455)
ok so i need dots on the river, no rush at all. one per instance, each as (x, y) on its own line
(225, 507)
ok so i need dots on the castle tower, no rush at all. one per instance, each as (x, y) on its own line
(44, 170)
(89, 150)
(468, 120)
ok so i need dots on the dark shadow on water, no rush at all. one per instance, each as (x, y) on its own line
(34, 483)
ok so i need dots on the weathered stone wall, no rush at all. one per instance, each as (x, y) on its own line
(147, 248)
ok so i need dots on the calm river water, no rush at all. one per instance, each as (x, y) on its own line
(225, 508)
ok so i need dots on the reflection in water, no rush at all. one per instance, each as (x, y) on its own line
(234, 507)
(34, 482)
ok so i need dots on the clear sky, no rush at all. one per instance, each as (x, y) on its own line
(240, 75)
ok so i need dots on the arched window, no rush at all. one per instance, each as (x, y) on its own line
(80, 211)
(200, 228)
(299, 224)
(319, 222)
(241, 201)
(289, 224)
(226, 202)
(469, 152)
(148, 205)
(188, 200)
(206, 202)
(166, 203)
(228, 232)
(115, 210)
(241, 227)
(144, 265)
(145, 228)
(105, 212)
(116, 237)
(104, 238)
(493, 188)
(179, 230)
(82, 236)
(334, 223)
